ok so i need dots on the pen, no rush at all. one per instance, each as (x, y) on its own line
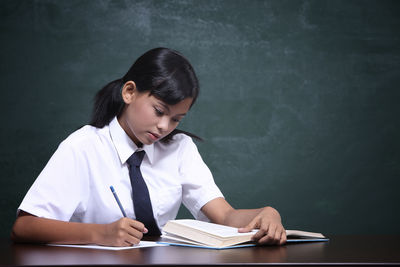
(118, 202)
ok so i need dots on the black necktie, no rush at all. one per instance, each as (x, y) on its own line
(140, 195)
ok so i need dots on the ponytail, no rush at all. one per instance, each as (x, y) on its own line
(108, 103)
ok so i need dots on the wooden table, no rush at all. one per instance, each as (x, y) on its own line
(340, 250)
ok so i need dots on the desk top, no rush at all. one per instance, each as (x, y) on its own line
(340, 250)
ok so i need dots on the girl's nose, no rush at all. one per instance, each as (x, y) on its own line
(163, 124)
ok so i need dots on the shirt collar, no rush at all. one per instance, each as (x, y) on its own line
(124, 145)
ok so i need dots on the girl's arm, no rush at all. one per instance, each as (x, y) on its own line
(29, 228)
(266, 219)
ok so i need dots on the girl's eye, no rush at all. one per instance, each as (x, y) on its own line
(176, 120)
(158, 112)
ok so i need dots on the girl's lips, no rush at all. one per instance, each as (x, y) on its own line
(153, 136)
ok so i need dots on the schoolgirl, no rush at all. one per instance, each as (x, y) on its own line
(132, 143)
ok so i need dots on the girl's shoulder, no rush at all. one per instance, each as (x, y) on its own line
(179, 139)
(86, 136)
(179, 143)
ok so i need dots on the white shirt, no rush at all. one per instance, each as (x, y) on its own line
(75, 184)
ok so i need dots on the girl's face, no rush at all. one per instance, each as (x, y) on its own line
(147, 119)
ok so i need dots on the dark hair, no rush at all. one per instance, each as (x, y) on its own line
(165, 73)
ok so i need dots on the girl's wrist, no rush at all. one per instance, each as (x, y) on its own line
(94, 234)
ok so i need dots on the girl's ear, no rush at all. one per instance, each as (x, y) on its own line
(129, 92)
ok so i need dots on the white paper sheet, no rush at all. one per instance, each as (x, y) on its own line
(142, 244)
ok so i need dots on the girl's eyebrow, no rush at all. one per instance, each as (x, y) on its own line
(164, 105)
(167, 108)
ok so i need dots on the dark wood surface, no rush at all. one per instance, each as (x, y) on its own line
(342, 250)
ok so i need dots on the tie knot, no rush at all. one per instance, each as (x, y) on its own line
(136, 158)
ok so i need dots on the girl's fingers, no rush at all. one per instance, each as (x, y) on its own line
(272, 235)
(252, 225)
(283, 237)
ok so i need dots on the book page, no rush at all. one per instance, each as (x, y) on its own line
(166, 237)
(298, 233)
(216, 229)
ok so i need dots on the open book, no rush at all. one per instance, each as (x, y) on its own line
(209, 235)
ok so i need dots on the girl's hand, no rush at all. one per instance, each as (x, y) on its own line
(271, 230)
(121, 233)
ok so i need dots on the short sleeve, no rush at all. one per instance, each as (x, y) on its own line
(198, 187)
(60, 190)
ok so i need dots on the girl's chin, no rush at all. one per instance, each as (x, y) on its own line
(149, 139)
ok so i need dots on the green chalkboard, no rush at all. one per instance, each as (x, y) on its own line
(298, 105)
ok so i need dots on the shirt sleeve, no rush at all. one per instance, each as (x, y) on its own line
(199, 186)
(61, 188)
